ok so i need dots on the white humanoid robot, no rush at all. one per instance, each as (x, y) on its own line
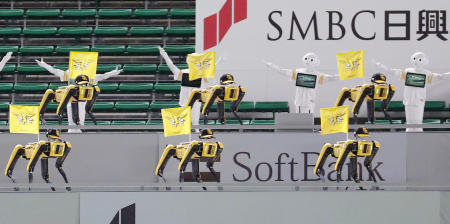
(416, 80)
(305, 80)
(4, 60)
(64, 76)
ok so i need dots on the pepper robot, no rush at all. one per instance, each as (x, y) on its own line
(378, 90)
(54, 147)
(305, 80)
(350, 148)
(72, 94)
(193, 152)
(416, 80)
(225, 92)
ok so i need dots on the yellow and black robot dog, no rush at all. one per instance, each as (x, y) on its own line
(225, 92)
(378, 90)
(54, 147)
(192, 152)
(71, 94)
(350, 148)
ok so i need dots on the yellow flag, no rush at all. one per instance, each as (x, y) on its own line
(202, 65)
(350, 64)
(334, 120)
(23, 119)
(176, 121)
(82, 63)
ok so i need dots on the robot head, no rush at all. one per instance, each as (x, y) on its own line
(419, 60)
(53, 134)
(311, 60)
(226, 79)
(378, 78)
(82, 80)
(206, 134)
(361, 132)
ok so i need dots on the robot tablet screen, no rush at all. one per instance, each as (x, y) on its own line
(193, 83)
(306, 80)
(415, 80)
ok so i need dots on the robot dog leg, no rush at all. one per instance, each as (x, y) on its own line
(18, 152)
(211, 161)
(385, 103)
(48, 97)
(64, 101)
(44, 171)
(90, 104)
(168, 152)
(235, 104)
(216, 92)
(327, 150)
(59, 164)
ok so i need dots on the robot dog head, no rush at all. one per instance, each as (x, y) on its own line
(361, 132)
(206, 134)
(378, 78)
(82, 80)
(53, 133)
(226, 79)
(419, 60)
(311, 60)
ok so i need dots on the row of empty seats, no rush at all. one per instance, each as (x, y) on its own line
(429, 106)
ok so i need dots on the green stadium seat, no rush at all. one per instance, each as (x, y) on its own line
(9, 68)
(11, 13)
(43, 13)
(136, 87)
(30, 87)
(3, 123)
(116, 13)
(180, 31)
(143, 49)
(210, 122)
(179, 49)
(155, 122)
(164, 69)
(4, 49)
(68, 49)
(79, 13)
(434, 106)
(62, 67)
(108, 87)
(6, 87)
(244, 122)
(157, 106)
(167, 87)
(40, 31)
(102, 68)
(386, 122)
(262, 122)
(151, 13)
(26, 103)
(147, 31)
(98, 123)
(111, 31)
(52, 107)
(109, 49)
(56, 123)
(37, 50)
(139, 68)
(393, 106)
(30, 69)
(128, 122)
(447, 121)
(182, 13)
(75, 31)
(431, 121)
(132, 106)
(4, 106)
(245, 106)
(10, 31)
(271, 107)
(103, 106)
(56, 85)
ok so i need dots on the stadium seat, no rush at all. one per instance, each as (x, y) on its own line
(180, 31)
(447, 121)
(155, 122)
(393, 106)
(147, 31)
(434, 106)
(210, 122)
(167, 87)
(262, 122)
(102, 68)
(56, 85)
(386, 122)
(67, 49)
(179, 49)
(36, 50)
(111, 31)
(139, 68)
(128, 122)
(75, 31)
(10, 31)
(157, 106)
(6, 87)
(33, 68)
(109, 49)
(132, 106)
(103, 106)
(3, 123)
(30, 87)
(43, 13)
(57, 123)
(116, 13)
(79, 13)
(164, 69)
(11, 13)
(9, 68)
(4, 106)
(98, 123)
(108, 87)
(143, 49)
(271, 107)
(244, 122)
(52, 107)
(151, 13)
(136, 87)
(40, 31)
(4, 49)
(431, 121)
(26, 103)
(182, 13)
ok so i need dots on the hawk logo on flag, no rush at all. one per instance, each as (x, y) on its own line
(334, 120)
(337, 119)
(176, 121)
(202, 65)
(82, 65)
(23, 119)
(350, 64)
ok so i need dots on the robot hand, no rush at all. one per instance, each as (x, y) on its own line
(7, 56)
(379, 65)
(268, 64)
(116, 71)
(163, 52)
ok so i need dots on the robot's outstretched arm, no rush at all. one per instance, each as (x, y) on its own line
(107, 75)
(368, 160)
(90, 104)
(41, 147)
(64, 101)
(195, 95)
(212, 160)
(173, 68)
(63, 75)
(18, 151)
(286, 72)
(187, 156)
(325, 78)
(4, 60)
(48, 97)
(341, 159)
(389, 71)
(343, 96)
(235, 104)
(385, 103)
(169, 151)
(327, 149)
(366, 89)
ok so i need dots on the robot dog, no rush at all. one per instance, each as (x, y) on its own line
(378, 90)
(350, 148)
(71, 94)
(219, 94)
(192, 152)
(54, 147)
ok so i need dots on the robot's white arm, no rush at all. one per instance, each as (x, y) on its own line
(324, 78)
(4, 60)
(437, 76)
(282, 71)
(107, 75)
(389, 71)
(174, 69)
(49, 68)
